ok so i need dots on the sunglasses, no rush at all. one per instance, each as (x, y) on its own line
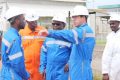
(57, 24)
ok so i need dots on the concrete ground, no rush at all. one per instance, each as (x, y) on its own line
(96, 63)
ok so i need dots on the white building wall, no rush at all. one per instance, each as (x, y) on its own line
(45, 8)
(41, 7)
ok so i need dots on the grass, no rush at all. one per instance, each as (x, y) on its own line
(100, 42)
(97, 77)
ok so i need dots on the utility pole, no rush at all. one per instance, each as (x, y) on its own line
(69, 20)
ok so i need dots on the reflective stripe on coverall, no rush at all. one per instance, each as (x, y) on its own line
(83, 41)
(13, 67)
(32, 44)
(54, 56)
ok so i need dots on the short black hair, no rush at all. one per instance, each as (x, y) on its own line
(86, 17)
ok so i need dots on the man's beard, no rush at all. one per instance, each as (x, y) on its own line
(21, 26)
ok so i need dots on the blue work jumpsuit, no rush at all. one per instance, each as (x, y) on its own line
(13, 67)
(54, 56)
(83, 41)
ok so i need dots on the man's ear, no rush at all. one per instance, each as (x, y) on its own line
(17, 21)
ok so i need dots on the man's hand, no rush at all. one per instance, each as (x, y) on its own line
(0, 57)
(29, 79)
(43, 74)
(105, 77)
(43, 33)
(66, 68)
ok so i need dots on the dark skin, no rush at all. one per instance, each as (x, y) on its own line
(0, 56)
(32, 25)
(105, 76)
(58, 25)
(19, 22)
(114, 25)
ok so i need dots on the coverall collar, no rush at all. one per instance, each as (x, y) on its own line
(82, 25)
(116, 32)
(30, 31)
(14, 30)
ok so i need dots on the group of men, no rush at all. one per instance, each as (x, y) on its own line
(30, 52)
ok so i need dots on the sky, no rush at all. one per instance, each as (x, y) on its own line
(96, 3)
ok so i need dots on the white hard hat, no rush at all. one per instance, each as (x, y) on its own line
(80, 10)
(31, 17)
(12, 12)
(60, 17)
(114, 17)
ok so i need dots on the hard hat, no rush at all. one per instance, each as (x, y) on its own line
(12, 12)
(60, 17)
(114, 17)
(31, 17)
(80, 10)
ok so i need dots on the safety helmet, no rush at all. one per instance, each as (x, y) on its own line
(31, 17)
(80, 10)
(12, 12)
(114, 17)
(60, 17)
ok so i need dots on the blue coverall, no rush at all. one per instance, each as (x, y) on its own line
(54, 56)
(83, 41)
(13, 67)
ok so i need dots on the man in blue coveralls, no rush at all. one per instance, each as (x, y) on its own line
(13, 67)
(82, 38)
(55, 53)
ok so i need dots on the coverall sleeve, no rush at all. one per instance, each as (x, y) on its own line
(71, 36)
(106, 58)
(43, 58)
(16, 58)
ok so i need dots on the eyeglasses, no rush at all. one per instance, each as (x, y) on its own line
(57, 24)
